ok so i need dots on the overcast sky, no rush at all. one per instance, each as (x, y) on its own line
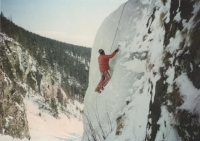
(71, 21)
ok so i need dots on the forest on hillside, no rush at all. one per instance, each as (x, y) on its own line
(60, 57)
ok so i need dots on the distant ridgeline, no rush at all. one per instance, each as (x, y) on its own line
(67, 63)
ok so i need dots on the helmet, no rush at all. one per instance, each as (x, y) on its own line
(101, 51)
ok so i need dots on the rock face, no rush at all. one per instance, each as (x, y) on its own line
(154, 92)
(13, 119)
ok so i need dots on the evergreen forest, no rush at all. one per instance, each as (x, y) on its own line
(71, 61)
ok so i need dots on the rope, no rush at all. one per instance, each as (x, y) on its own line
(118, 25)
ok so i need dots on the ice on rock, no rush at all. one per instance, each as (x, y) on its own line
(138, 70)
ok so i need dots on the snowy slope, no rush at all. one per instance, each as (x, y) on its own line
(153, 94)
(48, 128)
(30, 112)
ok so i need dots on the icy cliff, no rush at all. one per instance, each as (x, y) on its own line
(154, 92)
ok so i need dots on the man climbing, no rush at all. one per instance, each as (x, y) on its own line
(103, 61)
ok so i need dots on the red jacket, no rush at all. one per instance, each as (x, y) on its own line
(104, 61)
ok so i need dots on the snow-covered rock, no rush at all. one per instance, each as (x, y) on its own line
(156, 71)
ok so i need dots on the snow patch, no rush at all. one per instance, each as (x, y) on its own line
(190, 93)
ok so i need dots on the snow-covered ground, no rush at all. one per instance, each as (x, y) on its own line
(48, 128)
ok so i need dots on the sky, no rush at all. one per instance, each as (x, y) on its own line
(70, 21)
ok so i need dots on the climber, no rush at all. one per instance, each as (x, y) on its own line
(103, 61)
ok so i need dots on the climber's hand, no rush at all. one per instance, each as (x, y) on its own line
(117, 50)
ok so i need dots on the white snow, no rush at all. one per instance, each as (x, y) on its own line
(133, 83)
(190, 93)
(178, 17)
(170, 73)
(174, 44)
(140, 65)
(134, 78)
(48, 128)
(167, 130)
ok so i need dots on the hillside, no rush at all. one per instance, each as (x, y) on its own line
(154, 92)
(41, 81)
(67, 59)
